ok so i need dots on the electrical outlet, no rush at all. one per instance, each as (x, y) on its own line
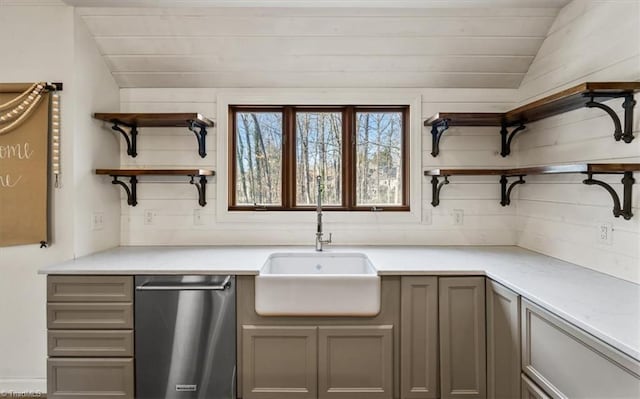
(458, 217)
(605, 233)
(427, 216)
(97, 221)
(149, 216)
(198, 219)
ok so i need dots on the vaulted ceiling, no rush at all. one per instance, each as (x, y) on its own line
(303, 43)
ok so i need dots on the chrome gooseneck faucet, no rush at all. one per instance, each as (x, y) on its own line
(319, 233)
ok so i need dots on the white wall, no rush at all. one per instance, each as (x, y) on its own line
(45, 42)
(558, 215)
(172, 205)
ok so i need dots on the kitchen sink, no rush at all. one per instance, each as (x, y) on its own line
(317, 284)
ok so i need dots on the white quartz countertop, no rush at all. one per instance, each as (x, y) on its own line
(604, 306)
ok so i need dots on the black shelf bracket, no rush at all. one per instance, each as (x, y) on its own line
(436, 186)
(201, 136)
(508, 137)
(133, 132)
(627, 184)
(437, 130)
(132, 196)
(202, 189)
(506, 188)
(629, 103)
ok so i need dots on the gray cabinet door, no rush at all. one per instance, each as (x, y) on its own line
(279, 362)
(568, 363)
(419, 341)
(531, 391)
(90, 378)
(503, 342)
(355, 362)
(462, 337)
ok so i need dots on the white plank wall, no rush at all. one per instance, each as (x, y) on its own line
(558, 215)
(172, 205)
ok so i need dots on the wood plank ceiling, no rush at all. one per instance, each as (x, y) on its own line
(397, 44)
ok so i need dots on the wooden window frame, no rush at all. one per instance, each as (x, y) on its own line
(349, 169)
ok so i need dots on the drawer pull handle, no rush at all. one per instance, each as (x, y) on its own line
(186, 287)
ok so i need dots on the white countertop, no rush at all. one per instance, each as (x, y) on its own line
(604, 306)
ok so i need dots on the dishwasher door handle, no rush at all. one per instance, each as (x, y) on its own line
(180, 287)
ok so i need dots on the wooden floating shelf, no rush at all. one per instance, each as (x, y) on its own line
(600, 168)
(580, 96)
(132, 174)
(155, 172)
(156, 119)
(590, 169)
(195, 122)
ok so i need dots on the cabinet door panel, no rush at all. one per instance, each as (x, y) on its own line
(531, 390)
(419, 342)
(90, 378)
(567, 362)
(279, 362)
(503, 342)
(355, 362)
(462, 337)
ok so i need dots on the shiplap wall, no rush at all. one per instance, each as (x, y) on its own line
(554, 215)
(172, 205)
(558, 215)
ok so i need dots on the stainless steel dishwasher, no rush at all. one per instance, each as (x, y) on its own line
(185, 337)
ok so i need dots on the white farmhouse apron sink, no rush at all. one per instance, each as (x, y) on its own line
(317, 284)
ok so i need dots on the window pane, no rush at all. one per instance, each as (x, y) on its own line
(258, 158)
(318, 153)
(379, 158)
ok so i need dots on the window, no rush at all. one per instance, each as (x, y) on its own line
(360, 153)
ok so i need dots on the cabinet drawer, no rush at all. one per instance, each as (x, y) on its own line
(567, 362)
(63, 343)
(74, 316)
(531, 390)
(90, 378)
(90, 288)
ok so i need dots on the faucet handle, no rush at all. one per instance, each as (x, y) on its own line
(329, 240)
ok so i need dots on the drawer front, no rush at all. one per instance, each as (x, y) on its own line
(62, 343)
(101, 316)
(90, 378)
(567, 362)
(90, 288)
(531, 390)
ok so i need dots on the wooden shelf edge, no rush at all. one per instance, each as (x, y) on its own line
(155, 172)
(164, 119)
(602, 168)
(563, 101)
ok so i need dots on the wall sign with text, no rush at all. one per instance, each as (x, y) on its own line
(24, 163)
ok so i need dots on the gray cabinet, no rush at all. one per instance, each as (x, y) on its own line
(341, 362)
(567, 362)
(279, 362)
(462, 337)
(90, 337)
(419, 337)
(355, 362)
(503, 342)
